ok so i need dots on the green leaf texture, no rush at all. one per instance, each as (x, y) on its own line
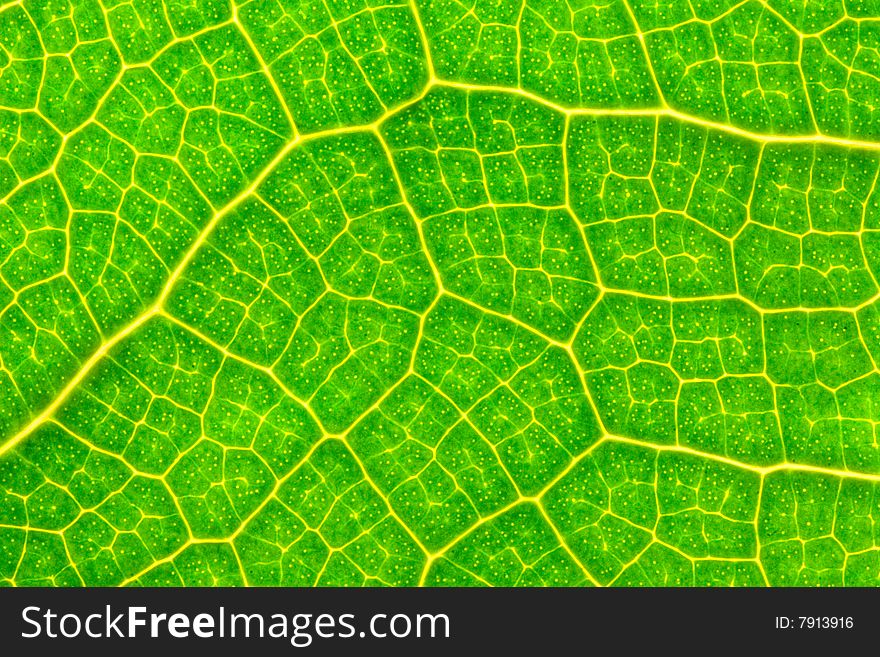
(439, 292)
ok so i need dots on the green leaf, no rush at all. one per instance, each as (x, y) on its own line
(439, 292)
